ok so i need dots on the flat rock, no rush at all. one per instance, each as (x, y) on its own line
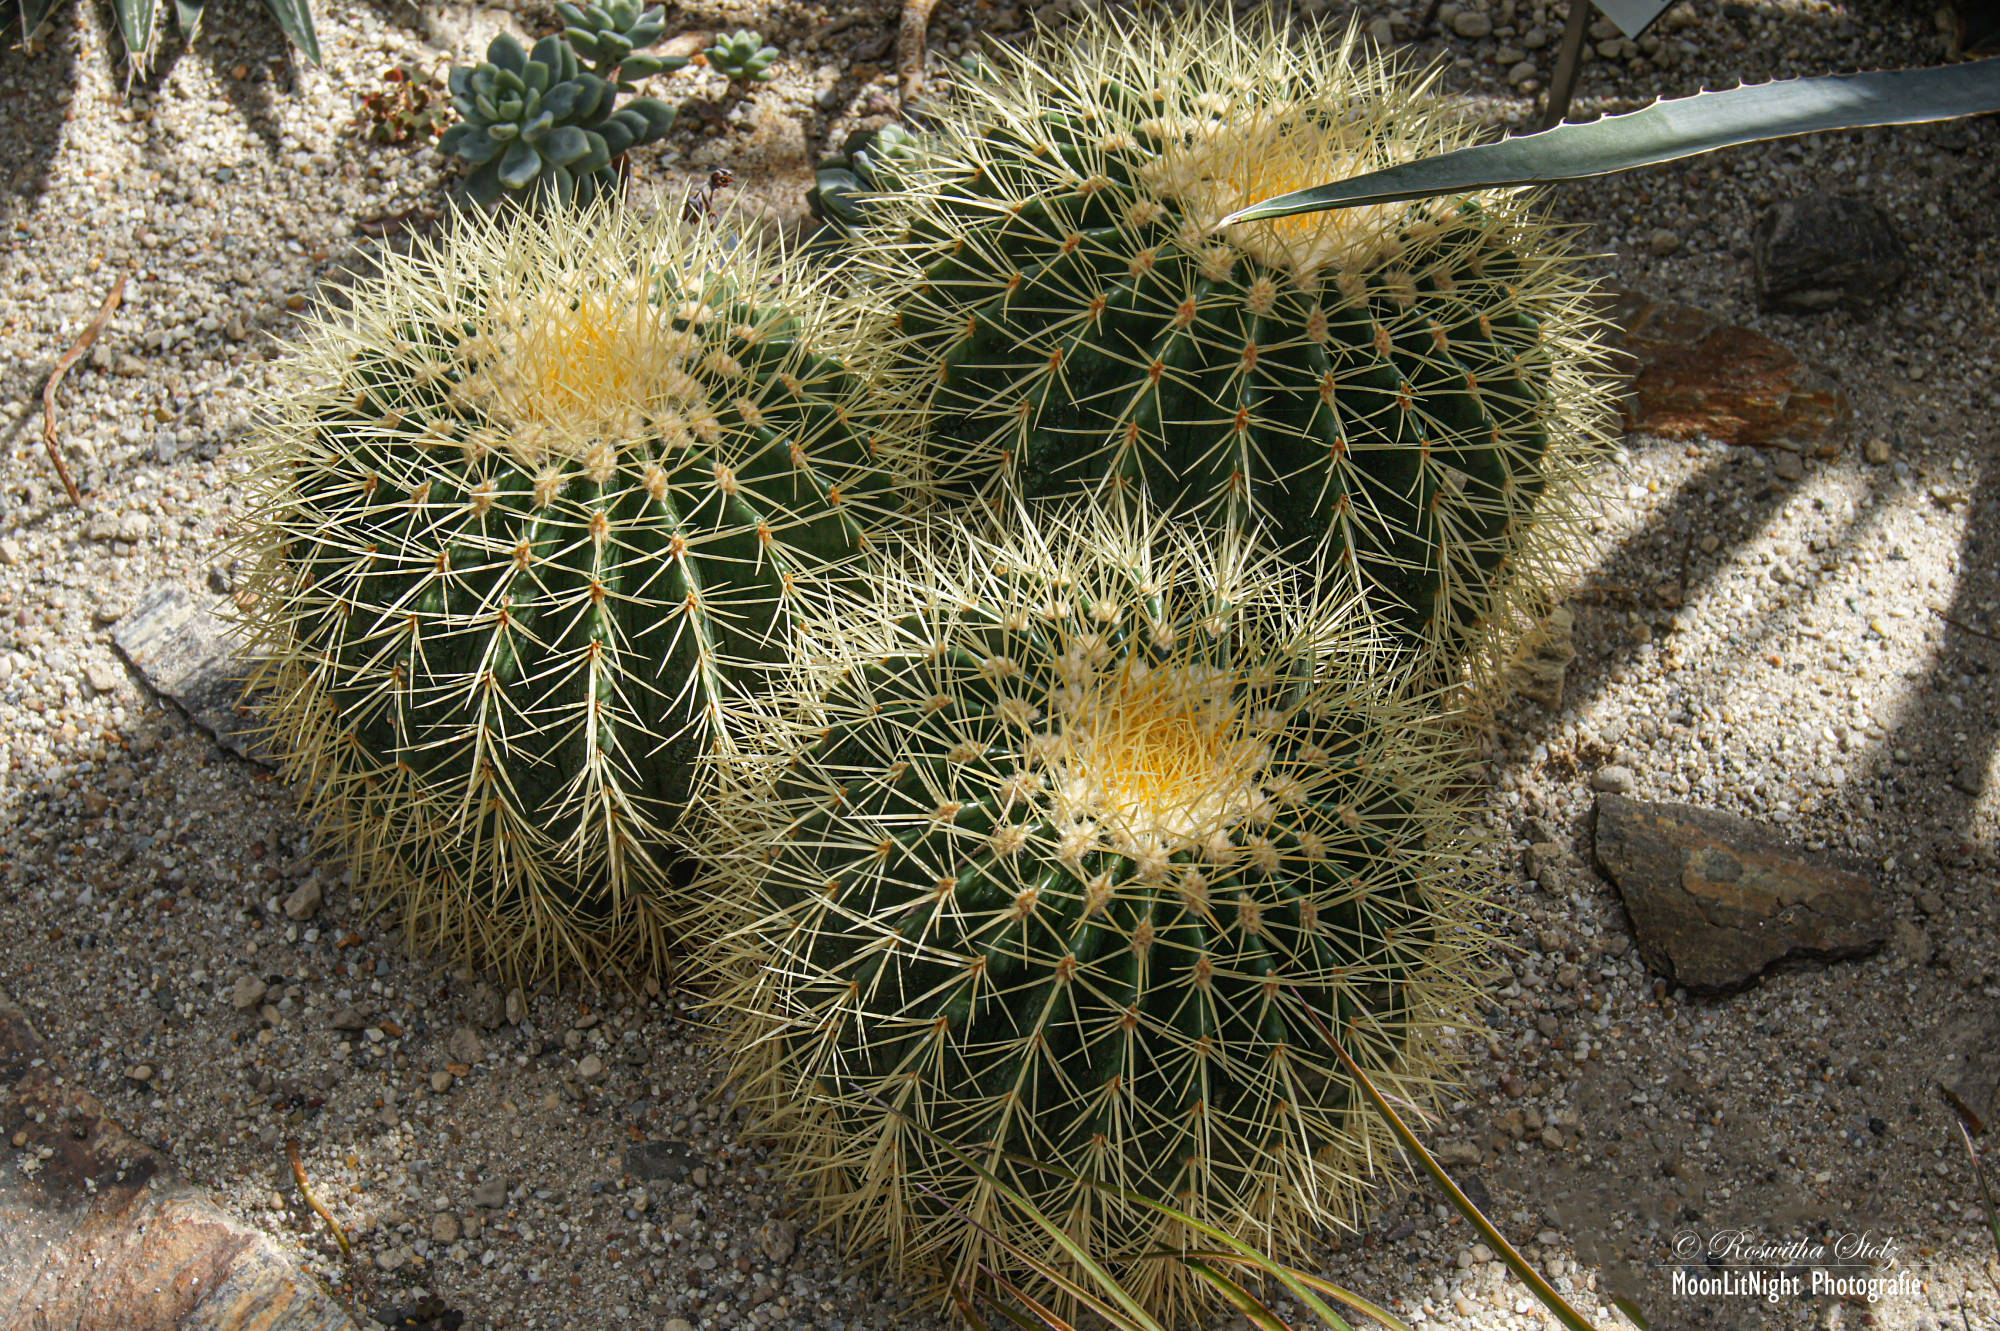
(98, 1231)
(1716, 899)
(1826, 251)
(659, 1161)
(181, 646)
(1693, 376)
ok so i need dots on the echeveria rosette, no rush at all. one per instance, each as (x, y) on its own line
(538, 124)
(537, 510)
(741, 57)
(844, 183)
(1413, 390)
(1067, 823)
(608, 33)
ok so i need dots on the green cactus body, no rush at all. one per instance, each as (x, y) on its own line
(534, 519)
(1406, 388)
(1060, 857)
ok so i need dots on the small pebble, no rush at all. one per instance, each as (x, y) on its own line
(247, 994)
(1614, 780)
(305, 902)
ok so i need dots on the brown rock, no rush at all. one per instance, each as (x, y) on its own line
(1715, 899)
(1693, 376)
(98, 1231)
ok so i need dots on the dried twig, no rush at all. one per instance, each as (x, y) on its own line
(305, 1191)
(1964, 627)
(910, 47)
(70, 358)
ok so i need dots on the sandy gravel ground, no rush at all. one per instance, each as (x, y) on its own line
(1810, 645)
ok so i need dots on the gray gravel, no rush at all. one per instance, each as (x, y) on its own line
(1804, 641)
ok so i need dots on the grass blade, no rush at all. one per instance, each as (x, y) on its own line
(1297, 1283)
(1323, 1286)
(1666, 131)
(1239, 1298)
(1530, 1277)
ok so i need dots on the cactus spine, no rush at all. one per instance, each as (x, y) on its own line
(1070, 823)
(534, 518)
(1408, 386)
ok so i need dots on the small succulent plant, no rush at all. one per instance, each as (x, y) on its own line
(539, 124)
(866, 164)
(606, 35)
(742, 57)
(406, 109)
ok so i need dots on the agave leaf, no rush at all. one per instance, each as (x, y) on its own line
(33, 14)
(1530, 1277)
(188, 14)
(296, 18)
(138, 20)
(1666, 131)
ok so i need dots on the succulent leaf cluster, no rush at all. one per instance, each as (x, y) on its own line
(866, 166)
(1409, 388)
(607, 34)
(537, 122)
(534, 522)
(1071, 826)
(742, 57)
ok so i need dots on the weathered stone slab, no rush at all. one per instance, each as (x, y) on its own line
(96, 1230)
(1694, 376)
(181, 645)
(1716, 899)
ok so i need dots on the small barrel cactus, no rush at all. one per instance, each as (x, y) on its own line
(1408, 386)
(1071, 827)
(537, 122)
(606, 35)
(741, 57)
(535, 518)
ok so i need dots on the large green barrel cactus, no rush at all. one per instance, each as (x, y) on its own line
(1408, 387)
(1074, 829)
(536, 515)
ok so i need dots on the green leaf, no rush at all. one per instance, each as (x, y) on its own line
(1666, 131)
(1529, 1276)
(138, 21)
(659, 117)
(296, 18)
(34, 13)
(520, 165)
(188, 14)
(564, 145)
(506, 53)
